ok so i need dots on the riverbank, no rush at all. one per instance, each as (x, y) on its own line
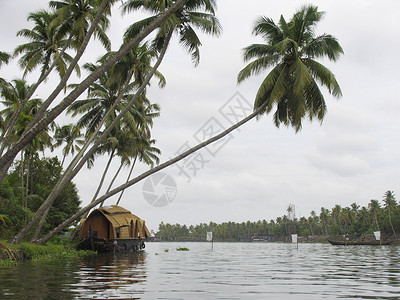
(11, 254)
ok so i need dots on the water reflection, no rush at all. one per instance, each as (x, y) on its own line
(230, 271)
(111, 276)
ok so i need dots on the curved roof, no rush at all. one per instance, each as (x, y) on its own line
(120, 217)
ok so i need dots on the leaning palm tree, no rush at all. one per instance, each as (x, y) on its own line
(45, 118)
(45, 49)
(284, 87)
(74, 17)
(45, 46)
(195, 14)
(292, 50)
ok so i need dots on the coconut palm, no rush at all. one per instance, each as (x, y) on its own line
(44, 46)
(45, 118)
(45, 49)
(4, 59)
(195, 14)
(289, 93)
(291, 50)
(389, 201)
(72, 137)
(145, 152)
(75, 16)
(374, 209)
(55, 112)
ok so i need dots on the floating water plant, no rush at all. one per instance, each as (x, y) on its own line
(182, 249)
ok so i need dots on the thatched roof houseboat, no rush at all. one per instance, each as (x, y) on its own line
(112, 228)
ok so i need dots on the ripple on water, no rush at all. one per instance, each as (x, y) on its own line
(230, 271)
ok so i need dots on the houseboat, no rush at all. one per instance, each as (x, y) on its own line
(112, 228)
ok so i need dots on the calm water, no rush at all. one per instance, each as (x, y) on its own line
(229, 271)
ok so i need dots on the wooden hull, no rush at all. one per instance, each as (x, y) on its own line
(109, 245)
(357, 243)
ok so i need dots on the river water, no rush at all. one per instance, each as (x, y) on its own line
(228, 271)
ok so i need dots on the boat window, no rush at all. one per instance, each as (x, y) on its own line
(117, 231)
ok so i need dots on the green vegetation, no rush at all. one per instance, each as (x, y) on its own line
(29, 251)
(114, 115)
(354, 220)
(182, 249)
(24, 189)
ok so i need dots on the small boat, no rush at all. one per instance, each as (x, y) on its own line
(356, 243)
(112, 228)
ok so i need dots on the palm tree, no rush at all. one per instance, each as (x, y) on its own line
(195, 14)
(291, 49)
(278, 92)
(56, 111)
(4, 59)
(45, 49)
(44, 119)
(374, 208)
(390, 202)
(144, 151)
(72, 137)
(45, 46)
(74, 17)
(14, 95)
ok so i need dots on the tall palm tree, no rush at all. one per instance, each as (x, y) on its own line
(4, 59)
(144, 151)
(44, 46)
(45, 49)
(72, 137)
(45, 119)
(273, 90)
(374, 208)
(55, 112)
(291, 50)
(195, 14)
(389, 201)
(74, 17)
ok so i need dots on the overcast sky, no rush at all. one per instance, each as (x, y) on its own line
(256, 173)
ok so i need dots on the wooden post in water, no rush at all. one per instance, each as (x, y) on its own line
(209, 237)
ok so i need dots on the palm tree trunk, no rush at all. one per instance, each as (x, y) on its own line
(101, 180)
(5, 136)
(127, 179)
(113, 180)
(63, 82)
(390, 221)
(144, 175)
(70, 173)
(40, 225)
(56, 111)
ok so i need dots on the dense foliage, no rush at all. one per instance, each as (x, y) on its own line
(113, 115)
(24, 190)
(354, 220)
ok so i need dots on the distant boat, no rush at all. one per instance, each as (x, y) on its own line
(350, 243)
(112, 228)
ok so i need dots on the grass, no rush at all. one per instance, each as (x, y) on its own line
(29, 251)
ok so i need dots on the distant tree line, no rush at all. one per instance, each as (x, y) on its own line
(355, 220)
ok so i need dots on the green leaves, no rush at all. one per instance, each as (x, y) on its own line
(291, 86)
